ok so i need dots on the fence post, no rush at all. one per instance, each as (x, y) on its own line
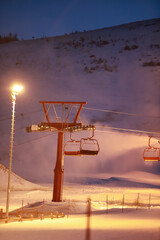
(68, 208)
(137, 201)
(22, 210)
(43, 206)
(1, 213)
(51, 214)
(149, 205)
(107, 204)
(42, 213)
(88, 219)
(123, 203)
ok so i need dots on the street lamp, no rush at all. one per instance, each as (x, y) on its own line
(15, 91)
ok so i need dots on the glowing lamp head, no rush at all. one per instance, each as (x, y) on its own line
(17, 89)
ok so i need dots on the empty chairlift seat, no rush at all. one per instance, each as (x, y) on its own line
(72, 148)
(151, 154)
(89, 146)
(85, 146)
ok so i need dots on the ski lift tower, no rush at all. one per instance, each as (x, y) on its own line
(60, 117)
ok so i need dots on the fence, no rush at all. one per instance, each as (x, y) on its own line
(39, 210)
(42, 210)
(105, 205)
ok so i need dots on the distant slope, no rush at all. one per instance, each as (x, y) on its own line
(118, 65)
(17, 183)
(113, 182)
(115, 68)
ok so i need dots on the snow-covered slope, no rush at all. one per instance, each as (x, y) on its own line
(113, 182)
(115, 68)
(17, 183)
(136, 179)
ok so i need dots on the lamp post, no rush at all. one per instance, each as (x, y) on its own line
(15, 91)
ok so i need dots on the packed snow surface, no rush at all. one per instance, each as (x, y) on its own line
(114, 209)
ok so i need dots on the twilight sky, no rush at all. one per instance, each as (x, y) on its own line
(38, 18)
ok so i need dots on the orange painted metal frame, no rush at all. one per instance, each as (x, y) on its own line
(60, 126)
(147, 149)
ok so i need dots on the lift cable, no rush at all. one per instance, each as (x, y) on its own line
(34, 139)
(94, 109)
(97, 130)
(126, 129)
(109, 128)
(117, 112)
(31, 140)
(20, 115)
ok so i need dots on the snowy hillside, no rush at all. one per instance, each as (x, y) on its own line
(119, 209)
(115, 68)
(17, 183)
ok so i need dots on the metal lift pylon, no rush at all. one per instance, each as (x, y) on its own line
(59, 170)
(61, 125)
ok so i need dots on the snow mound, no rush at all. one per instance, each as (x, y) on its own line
(17, 183)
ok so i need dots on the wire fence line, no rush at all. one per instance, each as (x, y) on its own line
(44, 209)
(31, 212)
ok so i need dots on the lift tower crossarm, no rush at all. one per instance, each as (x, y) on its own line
(61, 102)
(62, 125)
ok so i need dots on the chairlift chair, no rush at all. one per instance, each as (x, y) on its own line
(89, 146)
(86, 146)
(151, 153)
(72, 148)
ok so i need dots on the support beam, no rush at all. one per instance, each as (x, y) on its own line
(80, 108)
(46, 113)
(61, 126)
(58, 171)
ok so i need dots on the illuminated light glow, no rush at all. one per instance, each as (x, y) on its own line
(17, 89)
